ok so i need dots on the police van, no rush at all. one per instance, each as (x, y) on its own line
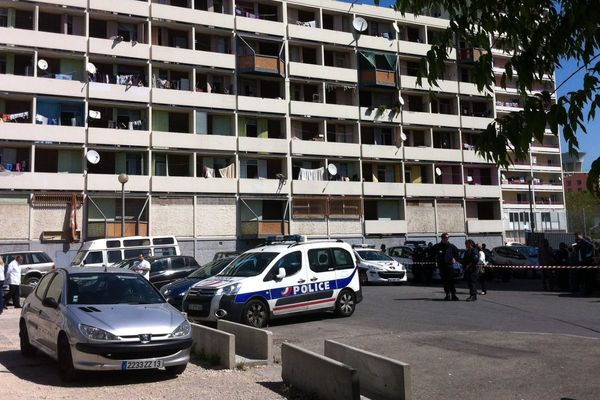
(279, 279)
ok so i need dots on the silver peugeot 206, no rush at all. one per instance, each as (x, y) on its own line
(103, 319)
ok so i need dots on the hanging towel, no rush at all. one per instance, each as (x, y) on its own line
(311, 174)
(228, 171)
(209, 172)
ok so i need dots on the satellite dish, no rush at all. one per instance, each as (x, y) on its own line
(438, 171)
(332, 169)
(403, 136)
(42, 64)
(95, 114)
(93, 157)
(395, 25)
(91, 68)
(401, 101)
(360, 24)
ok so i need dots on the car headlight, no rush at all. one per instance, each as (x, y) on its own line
(183, 329)
(91, 332)
(231, 290)
(165, 292)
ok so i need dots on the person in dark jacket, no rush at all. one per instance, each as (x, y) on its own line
(585, 257)
(445, 255)
(561, 257)
(469, 262)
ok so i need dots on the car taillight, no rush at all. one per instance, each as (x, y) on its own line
(53, 266)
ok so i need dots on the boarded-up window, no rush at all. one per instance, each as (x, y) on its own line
(345, 207)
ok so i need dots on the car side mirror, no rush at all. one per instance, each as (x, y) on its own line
(50, 302)
(280, 274)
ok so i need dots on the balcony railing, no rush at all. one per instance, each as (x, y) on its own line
(378, 77)
(261, 229)
(261, 64)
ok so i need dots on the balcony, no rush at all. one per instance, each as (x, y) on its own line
(327, 188)
(479, 123)
(471, 156)
(107, 91)
(127, 7)
(469, 55)
(470, 89)
(190, 184)
(394, 189)
(381, 151)
(193, 141)
(433, 154)
(483, 191)
(425, 118)
(212, 19)
(434, 190)
(30, 84)
(414, 48)
(193, 99)
(193, 57)
(120, 49)
(262, 229)
(378, 78)
(382, 227)
(43, 181)
(70, 3)
(124, 137)
(110, 182)
(388, 115)
(323, 110)
(377, 43)
(484, 226)
(55, 41)
(262, 145)
(323, 72)
(410, 82)
(262, 104)
(260, 26)
(325, 149)
(264, 186)
(49, 133)
(261, 64)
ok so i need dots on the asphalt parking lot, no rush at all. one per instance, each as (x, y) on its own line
(515, 343)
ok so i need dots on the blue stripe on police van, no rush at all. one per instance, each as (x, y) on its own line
(297, 290)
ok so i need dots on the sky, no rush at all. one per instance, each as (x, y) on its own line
(588, 143)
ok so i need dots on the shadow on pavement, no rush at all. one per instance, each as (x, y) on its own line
(287, 392)
(42, 370)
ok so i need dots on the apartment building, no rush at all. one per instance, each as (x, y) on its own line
(237, 120)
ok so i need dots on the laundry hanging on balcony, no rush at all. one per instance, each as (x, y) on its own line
(317, 174)
(15, 117)
(208, 172)
(228, 171)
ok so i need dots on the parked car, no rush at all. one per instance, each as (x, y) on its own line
(175, 291)
(508, 255)
(35, 265)
(405, 255)
(165, 269)
(225, 254)
(279, 279)
(103, 319)
(415, 243)
(375, 266)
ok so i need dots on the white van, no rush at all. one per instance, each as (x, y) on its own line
(101, 252)
(279, 279)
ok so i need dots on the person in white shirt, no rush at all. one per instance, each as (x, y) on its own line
(13, 276)
(143, 267)
(482, 270)
(1, 285)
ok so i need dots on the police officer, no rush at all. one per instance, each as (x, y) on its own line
(469, 262)
(445, 255)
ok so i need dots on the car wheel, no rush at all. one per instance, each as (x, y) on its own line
(363, 278)
(31, 280)
(66, 370)
(27, 350)
(255, 314)
(175, 370)
(345, 303)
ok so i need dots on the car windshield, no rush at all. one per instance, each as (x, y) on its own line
(127, 263)
(249, 264)
(79, 257)
(210, 269)
(111, 288)
(374, 255)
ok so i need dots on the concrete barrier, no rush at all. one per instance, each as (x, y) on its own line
(313, 373)
(252, 343)
(380, 377)
(214, 345)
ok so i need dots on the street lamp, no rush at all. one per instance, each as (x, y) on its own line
(123, 178)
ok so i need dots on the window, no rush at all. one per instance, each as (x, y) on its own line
(292, 263)
(343, 259)
(93, 257)
(3, 17)
(113, 243)
(56, 287)
(136, 252)
(114, 256)
(41, 287)
(136, 242)
(165, 251)
(546, 217)
(166, 240)
(160, 265)
(38, 258)
(178, 263)
(319, 260)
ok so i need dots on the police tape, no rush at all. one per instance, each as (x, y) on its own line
(519, 266)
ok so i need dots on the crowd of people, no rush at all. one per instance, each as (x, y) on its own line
(475, 261)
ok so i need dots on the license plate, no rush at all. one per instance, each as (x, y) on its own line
(394, 280)
(196, 307)
(144, 364)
